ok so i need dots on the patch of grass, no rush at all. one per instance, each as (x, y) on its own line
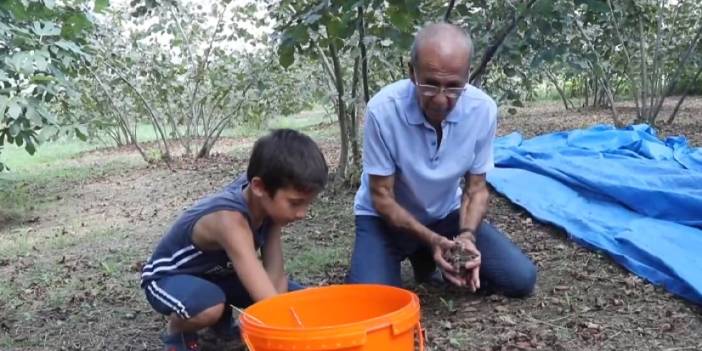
(17, 159)
(315, 261)
(8, 344)
(302, 120)
(8, 292)
(32, 179)
(36, 185)
(25, 242)
(45, 273)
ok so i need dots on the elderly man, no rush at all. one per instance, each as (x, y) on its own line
(422, 136)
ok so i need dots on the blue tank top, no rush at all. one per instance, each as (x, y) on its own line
(177, 254)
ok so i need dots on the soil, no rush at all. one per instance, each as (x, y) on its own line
(458, 257)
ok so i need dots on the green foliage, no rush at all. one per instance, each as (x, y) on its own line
(189, 70)
(595, 47)
(41, 43)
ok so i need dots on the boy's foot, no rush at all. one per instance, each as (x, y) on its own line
(180, 342)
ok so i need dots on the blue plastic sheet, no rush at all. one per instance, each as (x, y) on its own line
(622, 191)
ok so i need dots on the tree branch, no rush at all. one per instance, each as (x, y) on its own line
(447, 16)
(477, 74)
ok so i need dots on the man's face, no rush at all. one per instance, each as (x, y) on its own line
(287, 205)
(449, 73)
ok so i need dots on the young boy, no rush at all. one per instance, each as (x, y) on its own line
(209, 257)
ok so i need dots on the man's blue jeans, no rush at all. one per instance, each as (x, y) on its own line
(379, 249)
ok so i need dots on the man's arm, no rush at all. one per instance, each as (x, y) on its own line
(474, 203)
(382, 192)
(272, 253)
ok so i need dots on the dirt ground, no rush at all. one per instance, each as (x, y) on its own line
(70, 267)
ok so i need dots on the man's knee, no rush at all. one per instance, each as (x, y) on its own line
(523, 281)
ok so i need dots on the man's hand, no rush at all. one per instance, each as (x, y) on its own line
(439, 247)
(472, 267)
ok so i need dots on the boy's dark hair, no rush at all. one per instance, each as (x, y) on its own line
(286, 157)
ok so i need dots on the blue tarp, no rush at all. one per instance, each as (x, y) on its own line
(622, 191)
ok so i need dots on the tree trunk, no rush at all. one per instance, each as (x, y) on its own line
(119, 115)
(610, 97)
(341, 110)
(595, 92)
(554, 81)
(355, 154)
(212, 136)
(154, 120)
(403, 69)
(364, 57)
(645, 113)
(682, 99)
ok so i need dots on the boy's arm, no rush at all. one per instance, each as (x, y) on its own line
(272, 253)
(231, 231)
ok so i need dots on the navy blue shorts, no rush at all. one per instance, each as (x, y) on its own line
(188, 295)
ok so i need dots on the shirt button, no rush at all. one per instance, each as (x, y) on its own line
(433, 143)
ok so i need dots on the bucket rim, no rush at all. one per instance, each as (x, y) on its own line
(409, 311)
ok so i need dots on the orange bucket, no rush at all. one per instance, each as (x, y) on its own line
(338, 317)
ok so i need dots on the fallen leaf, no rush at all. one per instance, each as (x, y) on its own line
(558, 288)
(507, 320)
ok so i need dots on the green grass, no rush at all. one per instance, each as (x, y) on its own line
(315, 260)
(303, 120)
(109, 268)
(21, 242)
(37, 182)
(20, 161)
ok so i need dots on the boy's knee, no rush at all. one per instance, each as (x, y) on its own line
(209, 316)
(523, 283)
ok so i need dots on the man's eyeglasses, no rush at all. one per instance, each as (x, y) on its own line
(432, 90)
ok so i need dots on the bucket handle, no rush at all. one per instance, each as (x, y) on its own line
(421, 334)
(245, 338)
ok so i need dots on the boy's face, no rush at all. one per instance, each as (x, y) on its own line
(287, 205)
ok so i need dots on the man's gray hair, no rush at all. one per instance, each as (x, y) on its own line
(433, 30)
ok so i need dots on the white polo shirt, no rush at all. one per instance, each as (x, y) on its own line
(398, 141)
